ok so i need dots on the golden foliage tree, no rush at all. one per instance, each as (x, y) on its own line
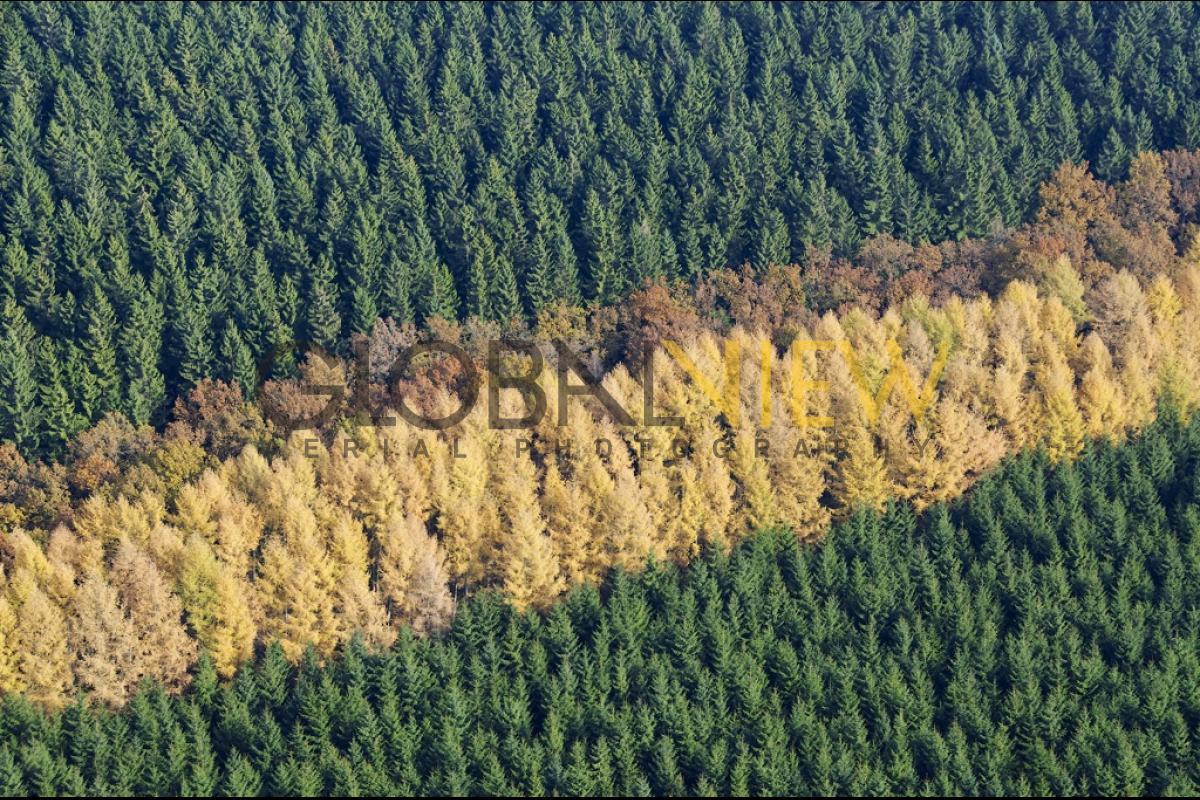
(163, 650)
(862, 475)
(297, 588)
(1061, 421)
(1101, 397)
(10, 666)
(526, 553)
(104, 643)
(412, 576)
(467, 514)
(570, 525)
(43, 654)
(215, 604)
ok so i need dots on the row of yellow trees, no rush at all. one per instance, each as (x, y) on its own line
(386, 526)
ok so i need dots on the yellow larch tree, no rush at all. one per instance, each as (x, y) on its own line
(749, 465)
(1058, 278)
(163, 651)
(10, 673)
(906, 435)
(679, 486)
(107, 518)
(1101, 397)
(910, 453)
(1010, 392)
(1056, 325)
(950, 446)
(249, 472)
(658, 488)
(1019, 306)
(297, 588)
(467, 514)
(1178, 366)
(212, 508)
(718, 521)
(1187, 287)
(625, 526)
(361, 610)
(104, 643)
(836, 366)
(216, 606)
(1062, 425)
(43, 654)
(70, 556)
(649, 447)
(526, 558)
(636, 531)
(967, 375)
(405, 452)
(31, 567)
(868, 343)
(412, 576)
(356, 478)
(797, 475)
(530, 573)
(964, 440)
(569, 524)
(345, 542)
(586, 482)
(799, 439)
(862, 475)
(357, 607)
(684, 533)
(195, 506)
(287, 484)
(1118, 307)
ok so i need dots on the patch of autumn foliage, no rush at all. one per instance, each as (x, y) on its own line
(245, 535)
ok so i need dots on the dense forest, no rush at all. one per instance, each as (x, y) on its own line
(1038, 637)
(897, 302)
(223, 535)
(186, 189)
